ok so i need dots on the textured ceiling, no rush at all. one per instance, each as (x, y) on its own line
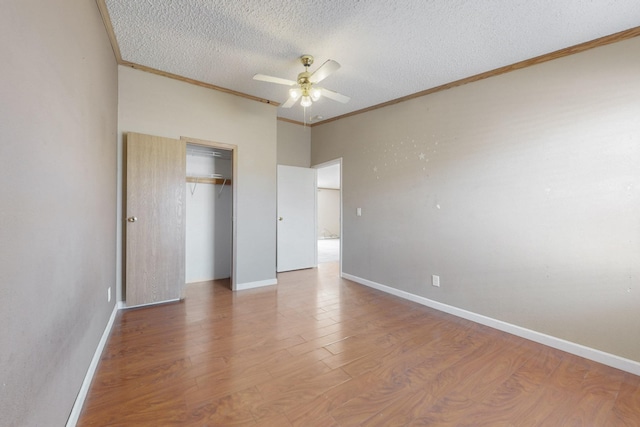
(387, 48)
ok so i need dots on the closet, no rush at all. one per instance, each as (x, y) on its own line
(209, 210)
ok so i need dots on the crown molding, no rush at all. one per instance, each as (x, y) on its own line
(602, 41)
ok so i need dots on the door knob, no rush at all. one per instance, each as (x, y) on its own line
(279, 218)
(132, 219)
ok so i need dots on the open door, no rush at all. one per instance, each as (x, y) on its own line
(296, 218)
(155, 219)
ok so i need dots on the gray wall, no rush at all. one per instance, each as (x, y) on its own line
(521, 191)
(58, 114)
(294, 144)
(157, 105)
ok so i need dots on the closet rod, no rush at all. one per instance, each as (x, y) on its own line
(191, 151)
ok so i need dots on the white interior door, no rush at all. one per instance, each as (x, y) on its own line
(296, 218)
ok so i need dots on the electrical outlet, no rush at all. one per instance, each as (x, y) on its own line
(109, 294)
(435, 280)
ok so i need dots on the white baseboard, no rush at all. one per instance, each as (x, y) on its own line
(253, 285)
(551, 341)
(84, 389)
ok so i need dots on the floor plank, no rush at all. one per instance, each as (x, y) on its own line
(318, 350)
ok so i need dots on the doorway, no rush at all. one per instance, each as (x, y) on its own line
(329, 212)
(210, 211)
(155, 211)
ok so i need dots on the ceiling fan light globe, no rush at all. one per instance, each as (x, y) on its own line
(316, 93)
(306, 101)
(295, 92)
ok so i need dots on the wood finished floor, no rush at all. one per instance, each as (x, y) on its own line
(318, 350)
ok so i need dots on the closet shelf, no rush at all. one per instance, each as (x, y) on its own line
(209, 179)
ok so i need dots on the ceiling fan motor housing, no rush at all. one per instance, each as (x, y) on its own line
(303, 78)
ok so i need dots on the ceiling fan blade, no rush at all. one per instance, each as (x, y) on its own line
(271, 79)
(334, 95)
(324, 71)
(289, 102)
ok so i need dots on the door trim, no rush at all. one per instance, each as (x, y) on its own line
(234, 191)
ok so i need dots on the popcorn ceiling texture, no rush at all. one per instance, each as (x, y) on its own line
(387, 48)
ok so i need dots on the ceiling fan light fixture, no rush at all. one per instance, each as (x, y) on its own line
(306, 101)
(295, 92)
(303, 88)
(315, 93)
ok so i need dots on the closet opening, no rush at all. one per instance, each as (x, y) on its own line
(209, 252)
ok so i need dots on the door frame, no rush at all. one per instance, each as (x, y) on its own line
(337, 161)
(234, 195)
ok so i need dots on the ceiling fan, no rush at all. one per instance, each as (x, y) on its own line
(305, 87)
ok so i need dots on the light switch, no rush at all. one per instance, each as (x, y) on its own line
(358, 211)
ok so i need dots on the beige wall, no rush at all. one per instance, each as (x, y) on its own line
(294, 144)
(58, 114)
(522, 192)
(157, 105)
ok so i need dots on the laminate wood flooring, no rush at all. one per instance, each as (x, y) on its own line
(317, 350)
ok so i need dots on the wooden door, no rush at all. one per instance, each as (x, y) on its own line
(297, 239)
(155, 219)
